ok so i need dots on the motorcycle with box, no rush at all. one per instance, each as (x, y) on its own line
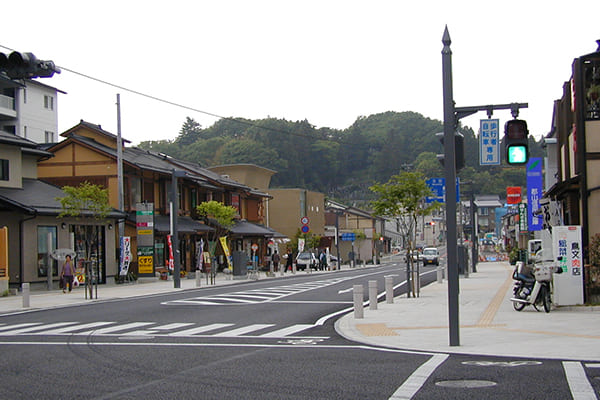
(533, 285)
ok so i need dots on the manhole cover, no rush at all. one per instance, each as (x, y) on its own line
(469, 384)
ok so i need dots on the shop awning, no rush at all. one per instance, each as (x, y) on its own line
(162, 223)
(245, 228)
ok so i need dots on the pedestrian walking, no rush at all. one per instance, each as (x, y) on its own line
(289, 261)
(323, 261)
(275, 260)
(67, 272)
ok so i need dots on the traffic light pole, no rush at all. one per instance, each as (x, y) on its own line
(452, 115)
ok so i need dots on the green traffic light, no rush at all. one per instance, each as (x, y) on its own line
(516, 154)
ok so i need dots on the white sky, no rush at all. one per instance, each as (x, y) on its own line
(325, 61)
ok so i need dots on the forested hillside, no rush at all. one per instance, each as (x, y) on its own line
(340, 163)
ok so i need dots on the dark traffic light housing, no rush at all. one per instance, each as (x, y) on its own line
(459, 150)
(25, 65)
(516, 142)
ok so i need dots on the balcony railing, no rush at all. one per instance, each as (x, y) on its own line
(7, 102)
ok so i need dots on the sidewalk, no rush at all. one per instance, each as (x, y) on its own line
(488, 323)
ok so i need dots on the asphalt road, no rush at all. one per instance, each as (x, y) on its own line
(272, 339)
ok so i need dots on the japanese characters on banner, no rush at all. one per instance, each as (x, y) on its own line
(568, 254)
(489, 142)
(535, 220)
(300, 245)
(125, 255)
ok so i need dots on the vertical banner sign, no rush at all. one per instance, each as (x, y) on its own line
(125, 255)
(534, 194)
(171, 258)
(144, 221)
(223, 240)
(523, 217)
(566, 244)
(489, 143)
(300, 245)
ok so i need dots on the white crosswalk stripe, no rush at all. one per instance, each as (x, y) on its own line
(174, 329)
(255, 296)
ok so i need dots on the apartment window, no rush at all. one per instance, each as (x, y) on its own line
(24, 96)
(25, 132)
(49, 102)
(49, 136)
(4, 170)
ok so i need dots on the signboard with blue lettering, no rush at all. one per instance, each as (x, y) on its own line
(535, 221)
(489, 142)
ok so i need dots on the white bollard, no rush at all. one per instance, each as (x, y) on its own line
(389, 289)
(440, 274)
(25, 289)
(357, 295)
(372, 295)
(198, 277)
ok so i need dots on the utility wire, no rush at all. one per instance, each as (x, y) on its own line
(179, 105)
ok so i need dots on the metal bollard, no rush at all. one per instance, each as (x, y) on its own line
(389, 289)
(372, 295)
(357, 295)
(25, 289)
(439, 274)
(198, 277)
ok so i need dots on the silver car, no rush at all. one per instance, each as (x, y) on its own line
(306, 259)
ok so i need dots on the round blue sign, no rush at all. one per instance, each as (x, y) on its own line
(305, 229)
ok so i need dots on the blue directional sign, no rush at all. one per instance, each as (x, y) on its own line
(534, 193)
(438, 187)
(349, 236)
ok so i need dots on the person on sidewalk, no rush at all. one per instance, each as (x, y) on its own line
(67, 272)
(289, 261)
(276, 260)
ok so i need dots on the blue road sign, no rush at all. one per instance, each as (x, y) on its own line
(349, 236)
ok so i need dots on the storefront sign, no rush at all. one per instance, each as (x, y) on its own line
(513, 195)
(144, 221)
(568, 255)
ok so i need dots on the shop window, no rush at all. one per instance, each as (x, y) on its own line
(44, 248)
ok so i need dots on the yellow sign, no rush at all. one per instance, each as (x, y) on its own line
(223, 240)
(144, 232)
(146, 264)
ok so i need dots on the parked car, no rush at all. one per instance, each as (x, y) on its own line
(305, 259)
(431, 256)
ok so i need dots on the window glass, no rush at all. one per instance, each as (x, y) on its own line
(43, 250)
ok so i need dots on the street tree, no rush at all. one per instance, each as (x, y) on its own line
(403, 198)
(220, 218)
(89, 201)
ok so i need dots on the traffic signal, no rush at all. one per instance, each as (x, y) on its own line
(25, 65)
(515, 140)
(459, 150)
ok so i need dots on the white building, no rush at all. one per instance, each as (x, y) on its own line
(29, 109)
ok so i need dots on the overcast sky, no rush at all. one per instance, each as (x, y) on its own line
(325, 61)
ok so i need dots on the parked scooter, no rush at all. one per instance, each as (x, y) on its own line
(533, 286)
